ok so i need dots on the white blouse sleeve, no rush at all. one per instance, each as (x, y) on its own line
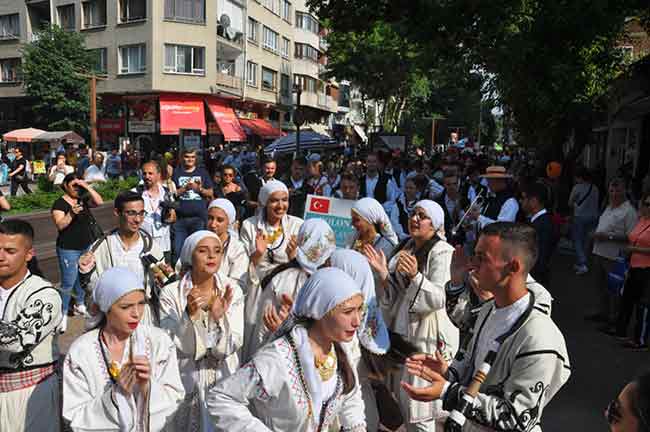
(228, 401)
(185, 334)
(232, 325)
(508, 213)
(426, 293)
(352, 414)
(166, 392)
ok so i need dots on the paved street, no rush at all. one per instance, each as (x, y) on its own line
(600, 366)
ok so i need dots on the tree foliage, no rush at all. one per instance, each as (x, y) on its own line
(51, 68)
(547, 61)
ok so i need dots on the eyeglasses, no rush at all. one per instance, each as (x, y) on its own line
(613, 412)
(133, 213)
(420, 216)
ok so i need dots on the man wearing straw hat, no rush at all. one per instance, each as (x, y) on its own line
(501, 202)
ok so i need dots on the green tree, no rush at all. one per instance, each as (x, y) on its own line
(547, 61)
(52, 70)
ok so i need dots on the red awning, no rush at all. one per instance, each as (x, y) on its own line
(226, 119)
(181, 112)
(260, 127)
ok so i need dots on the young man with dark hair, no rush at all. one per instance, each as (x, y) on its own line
(124, 247)
(194, 190)
(513, 332)
(349, 188)
(534, 197)
(30, 311)
(375, 184)
(298, 187)
(254, 182)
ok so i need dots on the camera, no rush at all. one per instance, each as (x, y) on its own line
(167, 207)
(83, 194)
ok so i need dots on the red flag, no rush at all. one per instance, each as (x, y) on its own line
(319, 205)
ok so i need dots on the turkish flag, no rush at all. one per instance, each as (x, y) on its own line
(319, 205)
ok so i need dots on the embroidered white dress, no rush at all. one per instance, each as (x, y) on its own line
(274, 386)
(91, 402)
(416, 310)
(207, 351)
(236, 262)
(29, 315)
(290, 226)
(287, 282)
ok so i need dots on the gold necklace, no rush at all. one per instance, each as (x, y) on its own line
(327, 367)
(273, 236)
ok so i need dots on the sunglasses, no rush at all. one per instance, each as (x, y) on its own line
(613, 412)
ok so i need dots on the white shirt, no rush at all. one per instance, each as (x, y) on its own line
(297, 184)
(6, 293)
(392, 191)
(616, 221)
(508, 213)
(123, 257)
(153, 223)
(538, 214)
(451, 206)
(94, 174)
(497, 323)
(435, 189)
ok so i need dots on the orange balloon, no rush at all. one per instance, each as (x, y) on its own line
(553, 170)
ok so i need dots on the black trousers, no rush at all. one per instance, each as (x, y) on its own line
(24, 184)
(635, 284)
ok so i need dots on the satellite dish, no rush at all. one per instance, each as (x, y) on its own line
(224, 20)
(231, 33)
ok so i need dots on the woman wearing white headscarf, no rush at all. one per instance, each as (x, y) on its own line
(122, 375)
(316, 242)
(372, 227)
(222, 218)
(204, 314)
(270, 240)
(412, 295)
(372, 334)
(302, 380)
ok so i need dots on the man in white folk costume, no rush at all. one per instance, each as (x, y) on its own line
(122, 375)
(127, 246)
(204, 314)
(302, 380)
(514, 340)
(30, 312)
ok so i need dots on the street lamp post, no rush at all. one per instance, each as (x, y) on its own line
(298, 119)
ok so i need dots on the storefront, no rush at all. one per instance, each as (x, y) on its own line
(182, 122)
(224, 127)
(142, 124)
(112, 124)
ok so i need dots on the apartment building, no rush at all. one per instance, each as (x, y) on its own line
(177, 72)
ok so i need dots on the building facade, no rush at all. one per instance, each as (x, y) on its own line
(179, 72)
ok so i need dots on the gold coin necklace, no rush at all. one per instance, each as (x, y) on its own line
(327, 367)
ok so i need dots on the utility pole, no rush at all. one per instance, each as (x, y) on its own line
(93, 107)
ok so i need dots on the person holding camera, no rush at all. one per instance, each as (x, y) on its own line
(74, 222)
(159, 206)
(127, 246)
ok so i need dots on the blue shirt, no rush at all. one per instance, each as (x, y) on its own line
(191, 203)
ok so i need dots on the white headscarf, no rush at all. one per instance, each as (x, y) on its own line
(324, 290)
(190, 244)
(316, 242)
(112, 285)
(435, 213)
(373, 212)
(269, 188)
(227, 207)
(372, 333)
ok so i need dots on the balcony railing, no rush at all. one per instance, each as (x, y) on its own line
(322, 100)
(231, 35)
(230, 81)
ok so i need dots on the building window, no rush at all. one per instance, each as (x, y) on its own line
(269, 78)
(306, 22)
(10, 70)
(66, 17)
(253, 30)
(10, 26)
(133, 10)
(94, 13)
(192, 11)
(133, 59)
(100, 56)
(251, 74)
(286, 43)
(184, 59)
(304, 51)
(271, 39)
(285, 85)
(286, 11)
(273, 6)
(306, 83)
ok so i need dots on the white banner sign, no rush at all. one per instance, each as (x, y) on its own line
(336, 212)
